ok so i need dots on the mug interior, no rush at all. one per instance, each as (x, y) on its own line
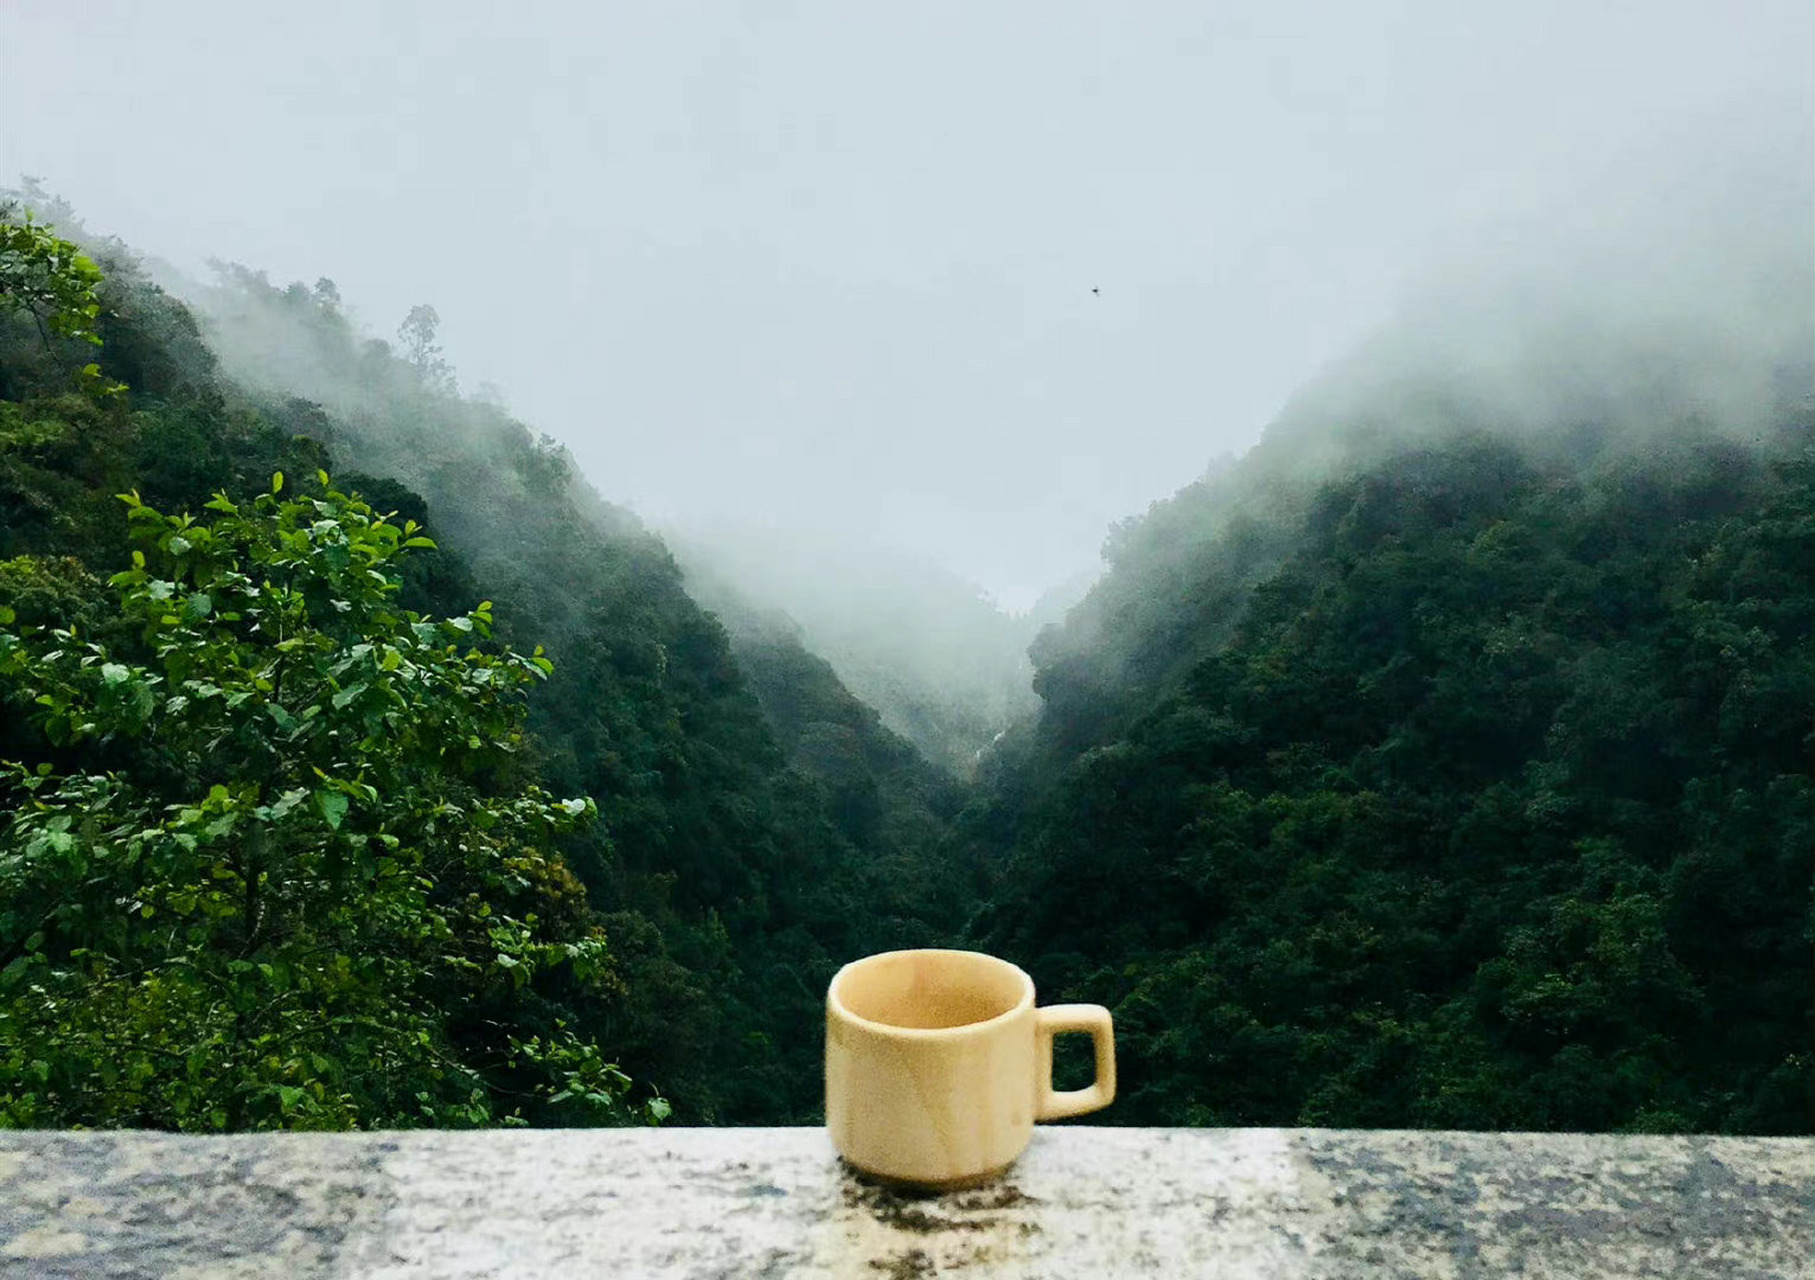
(930, 990)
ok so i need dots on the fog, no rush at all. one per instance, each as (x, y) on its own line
(972, 281)
(1676, 293)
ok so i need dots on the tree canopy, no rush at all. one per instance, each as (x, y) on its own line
(1469, 790)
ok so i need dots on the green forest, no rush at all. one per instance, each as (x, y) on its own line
(363, 767)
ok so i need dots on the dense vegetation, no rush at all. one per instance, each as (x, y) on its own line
(713, 894)
(366, 768)
(1471, 790)
(294, 876)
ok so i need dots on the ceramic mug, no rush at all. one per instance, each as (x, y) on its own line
(938, 1065)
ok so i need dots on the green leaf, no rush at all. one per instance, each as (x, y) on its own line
(115, 673)
(333, 807)
(288, 801)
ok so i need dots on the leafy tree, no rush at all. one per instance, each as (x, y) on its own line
(417, 334)
(52, 282)
(298, 876)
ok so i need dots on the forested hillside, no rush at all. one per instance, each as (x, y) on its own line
(1469, 789)
(726, 877)
(715, 890)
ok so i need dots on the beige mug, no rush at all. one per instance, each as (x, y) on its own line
(938, 1065)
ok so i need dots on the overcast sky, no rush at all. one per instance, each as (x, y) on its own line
(977, 278)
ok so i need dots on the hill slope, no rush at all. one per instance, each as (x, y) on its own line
(728, 883)
(1470, 788)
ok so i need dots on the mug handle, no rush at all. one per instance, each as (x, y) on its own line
(1090, 1019)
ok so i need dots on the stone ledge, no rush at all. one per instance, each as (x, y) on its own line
(1084, 1202)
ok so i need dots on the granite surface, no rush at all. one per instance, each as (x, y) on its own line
(1251, 1203)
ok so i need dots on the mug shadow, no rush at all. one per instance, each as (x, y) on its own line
(883, 1230)
(917, 1230)
(886, 1196)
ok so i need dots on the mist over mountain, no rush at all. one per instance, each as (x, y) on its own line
(743, 263)
(945, 666)
(1670, 292)
(1665, 302)
(1446, 758)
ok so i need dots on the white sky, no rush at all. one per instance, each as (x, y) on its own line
(831, 264)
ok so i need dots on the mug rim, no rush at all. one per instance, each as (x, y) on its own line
(843, 1011)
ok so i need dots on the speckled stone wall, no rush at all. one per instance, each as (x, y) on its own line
(1085, 1202)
